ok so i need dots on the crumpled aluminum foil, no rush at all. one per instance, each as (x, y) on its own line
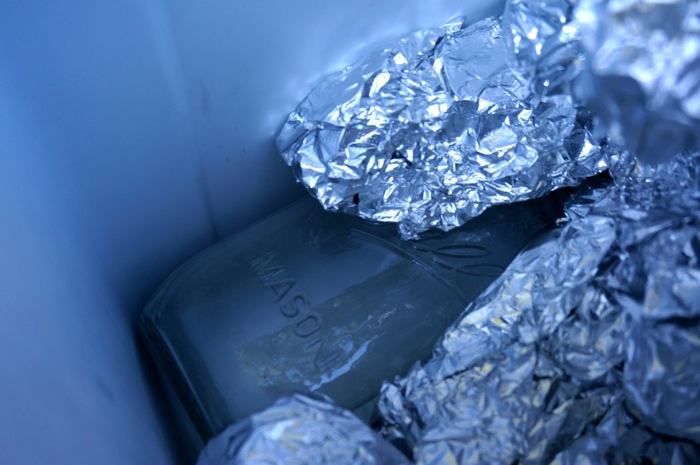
(300, 430)
(586, 350)
(643, 72)
(437, 127)
(545, 43)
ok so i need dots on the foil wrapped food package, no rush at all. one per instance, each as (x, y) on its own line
(300, 430)
(587, 348)
(545, 43)
(432, 130)
(643, 73)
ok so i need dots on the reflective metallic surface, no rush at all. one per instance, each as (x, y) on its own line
(643, 72)
(545, 44)
(300, 430)
(587, 349)
(432, 130)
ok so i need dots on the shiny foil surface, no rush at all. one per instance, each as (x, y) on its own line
(434, 129)
(586, 350)
(300, 430)
(545, 42)
(643, 72)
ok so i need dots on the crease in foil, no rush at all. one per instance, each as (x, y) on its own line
(545, 42)
(434, 129)
(300, 430)
(643, 72)
(587, 348)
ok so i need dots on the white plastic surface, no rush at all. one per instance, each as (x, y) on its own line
(132, 135)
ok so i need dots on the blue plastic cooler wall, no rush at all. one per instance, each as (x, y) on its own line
(132, 135)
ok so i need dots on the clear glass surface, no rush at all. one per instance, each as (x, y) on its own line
(307, 300)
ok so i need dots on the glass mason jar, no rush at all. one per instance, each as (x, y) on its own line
(307, 300)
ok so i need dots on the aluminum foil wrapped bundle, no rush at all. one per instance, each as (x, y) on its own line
(545, 42)
(434, 129)
(586, 350)
(643, 72)
(300, 430)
